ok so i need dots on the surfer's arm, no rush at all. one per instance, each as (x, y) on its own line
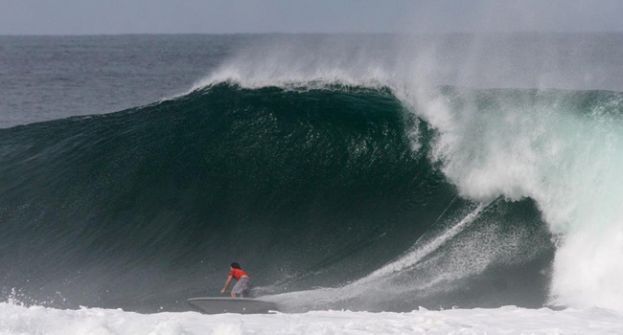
(226, 284)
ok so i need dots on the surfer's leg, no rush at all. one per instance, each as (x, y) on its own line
(245, 287)
(241, 287)
(236, 290)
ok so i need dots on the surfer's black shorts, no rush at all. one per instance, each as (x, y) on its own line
(242, 287)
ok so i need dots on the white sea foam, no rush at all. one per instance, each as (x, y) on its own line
(509, 320)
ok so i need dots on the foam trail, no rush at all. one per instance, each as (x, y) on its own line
(382, 278)
(418, 253)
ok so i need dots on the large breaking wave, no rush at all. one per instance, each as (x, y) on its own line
(336, 186)
(315, 187)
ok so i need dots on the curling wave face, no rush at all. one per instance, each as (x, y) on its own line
(306, 186)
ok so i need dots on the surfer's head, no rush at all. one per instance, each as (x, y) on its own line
(235, 265)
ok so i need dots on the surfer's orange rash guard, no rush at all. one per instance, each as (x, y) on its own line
(237, 273)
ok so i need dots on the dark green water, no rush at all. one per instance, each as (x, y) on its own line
(146, 207)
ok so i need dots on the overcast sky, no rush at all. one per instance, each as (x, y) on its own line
(255, 16)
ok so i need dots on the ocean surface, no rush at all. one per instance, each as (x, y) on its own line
(368, 173)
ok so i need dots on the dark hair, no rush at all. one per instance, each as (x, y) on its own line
(235, 265)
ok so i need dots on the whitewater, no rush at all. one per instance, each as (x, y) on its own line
(517, 179)
(16, 319)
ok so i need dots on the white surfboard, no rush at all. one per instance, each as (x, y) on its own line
(218, 305)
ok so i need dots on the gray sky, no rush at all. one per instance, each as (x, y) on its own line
(255, 16)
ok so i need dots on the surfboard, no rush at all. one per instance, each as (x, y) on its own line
(218, 305)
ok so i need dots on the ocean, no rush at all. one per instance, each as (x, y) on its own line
(420, 184)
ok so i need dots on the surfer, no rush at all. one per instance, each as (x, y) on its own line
(241, 289)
